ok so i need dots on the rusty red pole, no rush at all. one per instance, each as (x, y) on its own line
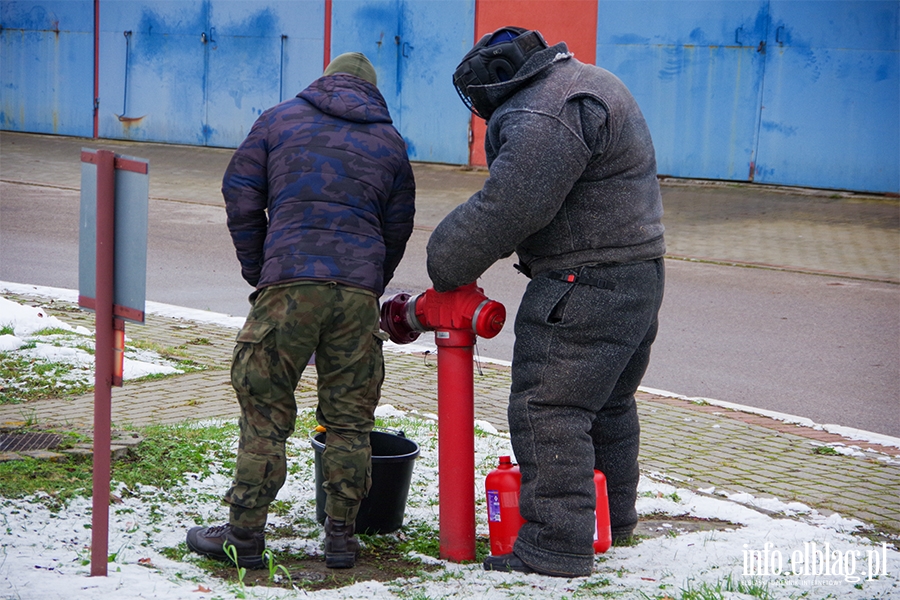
(456, 444)
(103, 358)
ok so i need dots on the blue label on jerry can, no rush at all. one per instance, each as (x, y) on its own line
(493, 502)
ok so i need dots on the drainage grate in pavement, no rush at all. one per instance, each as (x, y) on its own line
(20, 442)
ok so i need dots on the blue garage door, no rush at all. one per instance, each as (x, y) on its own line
(831, 99)
(415, 47)
(696, 70)
(152, 71)
(47, 71)
(781, 91)
(200, 71)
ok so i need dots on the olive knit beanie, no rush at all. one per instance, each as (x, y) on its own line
(353, 63)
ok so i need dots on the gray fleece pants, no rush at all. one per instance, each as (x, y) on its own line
(579, 357)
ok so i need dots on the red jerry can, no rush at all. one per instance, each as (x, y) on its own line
(502, 487)
(603, 531)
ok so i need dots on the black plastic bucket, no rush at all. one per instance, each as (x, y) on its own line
(393, 456)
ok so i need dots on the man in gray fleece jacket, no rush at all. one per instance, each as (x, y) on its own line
(572, 190)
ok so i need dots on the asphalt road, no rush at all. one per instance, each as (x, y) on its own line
(820, 347)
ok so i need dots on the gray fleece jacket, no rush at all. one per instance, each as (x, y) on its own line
(572, 178)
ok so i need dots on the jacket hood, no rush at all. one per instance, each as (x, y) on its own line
(495, 94)
(347, 97)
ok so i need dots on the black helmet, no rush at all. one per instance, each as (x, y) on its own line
(496, 58)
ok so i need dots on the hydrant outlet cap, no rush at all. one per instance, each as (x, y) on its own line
(489, 319)
(395, 319)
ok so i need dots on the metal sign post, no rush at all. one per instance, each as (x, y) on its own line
(113, 223)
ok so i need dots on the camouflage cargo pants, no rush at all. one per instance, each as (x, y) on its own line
(286, 324)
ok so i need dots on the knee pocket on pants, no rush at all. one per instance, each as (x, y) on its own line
(257, 479)
(254, 351)
(251, 469)
(249, 474)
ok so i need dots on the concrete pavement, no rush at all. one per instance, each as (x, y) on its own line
(701, 445)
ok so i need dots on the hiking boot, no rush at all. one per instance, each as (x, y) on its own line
(210, 541)
(341, 547)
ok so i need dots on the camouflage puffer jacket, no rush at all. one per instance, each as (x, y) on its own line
(322, 189)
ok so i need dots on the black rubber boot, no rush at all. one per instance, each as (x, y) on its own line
(341, 547)
(623, 536)
(210, 541)
(510, 562)
(506, 562)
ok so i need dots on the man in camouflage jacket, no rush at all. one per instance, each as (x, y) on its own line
(320, 205)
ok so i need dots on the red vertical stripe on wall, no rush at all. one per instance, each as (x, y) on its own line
(96, 67)
(571, 21)
(327, 53)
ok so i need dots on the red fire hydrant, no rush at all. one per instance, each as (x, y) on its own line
(456, 317)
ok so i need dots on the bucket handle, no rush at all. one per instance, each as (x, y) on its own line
(397, 432)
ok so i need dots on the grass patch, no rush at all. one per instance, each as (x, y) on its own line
(178, 354)
(726, 588)
(628, 542)
(164, 459)
(58, 363)
(53, 483)
(382, 558)
(169, 452)
(592, 588)
(51, 331)
(23, 379)
(826, 451)
(413, 538)
(674, 497)
(280, 508)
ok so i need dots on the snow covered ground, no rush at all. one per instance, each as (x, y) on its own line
(773, 550)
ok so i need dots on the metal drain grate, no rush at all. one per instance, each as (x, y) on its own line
(20, 442)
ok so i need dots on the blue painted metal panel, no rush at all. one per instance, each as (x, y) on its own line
(831, 102)
(434, 38)
(695, 69)
(47, 67)
(415, 47)
(244, 68)
(251, 42)
(163, 62)
(373, 28)
(200, 72)
(786, 91)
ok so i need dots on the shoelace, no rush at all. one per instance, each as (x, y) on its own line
(218, 529)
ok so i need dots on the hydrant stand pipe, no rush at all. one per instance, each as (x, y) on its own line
(456, 444)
